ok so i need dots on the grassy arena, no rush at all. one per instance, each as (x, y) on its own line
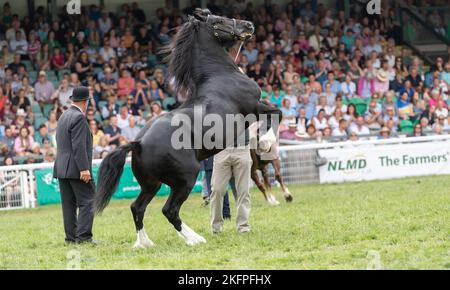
(327, 227)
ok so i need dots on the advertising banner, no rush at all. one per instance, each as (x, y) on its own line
(47, 187)
(385, 161)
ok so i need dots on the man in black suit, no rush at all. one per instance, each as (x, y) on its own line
(73, 168)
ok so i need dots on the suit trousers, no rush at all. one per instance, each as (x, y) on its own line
(76, 194)
(230, 162)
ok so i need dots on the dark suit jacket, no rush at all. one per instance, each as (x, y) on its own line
(74, 145)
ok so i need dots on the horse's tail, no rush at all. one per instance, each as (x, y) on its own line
(109, 173)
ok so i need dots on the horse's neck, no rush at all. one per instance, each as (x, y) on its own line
(210, 58)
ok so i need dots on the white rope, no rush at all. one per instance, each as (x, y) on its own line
(238, 52)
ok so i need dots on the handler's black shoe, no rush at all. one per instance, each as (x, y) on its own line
(70, 242)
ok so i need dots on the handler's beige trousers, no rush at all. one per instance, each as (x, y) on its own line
(230, 162)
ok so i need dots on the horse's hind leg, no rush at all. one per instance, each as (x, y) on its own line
(271, 198)
(148, 191)
(279, 177)
(259, 184)
(171, 210)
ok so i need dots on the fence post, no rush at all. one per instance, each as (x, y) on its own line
(33, 193)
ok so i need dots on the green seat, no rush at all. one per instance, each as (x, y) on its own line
(102, 104)
(360, 104)
(168, 102)
(38, 122)
(120, 103)
(406, 126)
(36, 108)
(47, 109)
(98, 117)
(62, 72)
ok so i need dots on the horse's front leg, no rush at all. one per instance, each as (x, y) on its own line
(279, 177)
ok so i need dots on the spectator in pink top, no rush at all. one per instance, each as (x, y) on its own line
(23, 143)
(126, 84)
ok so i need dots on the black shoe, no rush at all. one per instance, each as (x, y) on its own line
(70, 242)
(228, 217)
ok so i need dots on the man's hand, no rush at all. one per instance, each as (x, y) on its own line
(85, 176)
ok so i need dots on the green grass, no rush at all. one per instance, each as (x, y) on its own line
(407, 223)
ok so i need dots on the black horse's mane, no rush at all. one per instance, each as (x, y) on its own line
(179, 58)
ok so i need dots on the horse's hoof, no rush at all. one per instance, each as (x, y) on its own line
(190, 237)
(289, 198)
(140, 245)
(272, 200)
(142, 240)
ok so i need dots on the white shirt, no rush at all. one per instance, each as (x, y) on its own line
(360, 131)
(122, 123)
(14, 45)
(442, 112)
(338, 133)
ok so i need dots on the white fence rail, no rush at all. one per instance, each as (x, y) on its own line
(301, 164)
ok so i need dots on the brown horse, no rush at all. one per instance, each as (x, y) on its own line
(262, 164)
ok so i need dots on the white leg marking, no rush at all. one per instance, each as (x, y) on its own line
(189, 236)
(142, 240)
(273, 200)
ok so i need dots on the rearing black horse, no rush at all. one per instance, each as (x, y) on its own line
(199, 65)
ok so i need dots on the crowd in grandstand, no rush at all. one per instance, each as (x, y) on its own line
(333, 76)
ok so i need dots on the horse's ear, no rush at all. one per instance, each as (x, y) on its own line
(202, 14)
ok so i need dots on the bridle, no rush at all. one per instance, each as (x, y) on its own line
(216, 28)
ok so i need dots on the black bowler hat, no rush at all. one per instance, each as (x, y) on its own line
(80, 94)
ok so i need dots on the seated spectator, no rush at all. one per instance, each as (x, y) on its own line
(52, 123)
(44, 89)
(441, 109)
(125, 84)
(23, 143)
(359, 127)
(102, 146)
(320, 121)
(58, 60)
(302, 121)
(323, 105)
(42, 134)
(385, 133)
(122, 118)
(113, 132)
(373, 117)
(20, 121)
(348, 87)
(8, 138)
(405, 108)
(277, 97)
(341, 130)
(156, 111)
(108, 82)
(155, 93)
(63, 94)
(19, 44)
(290, 133)
(34, 46)
(131, 131)
(96, 132)
(112, 108)
(20, 101)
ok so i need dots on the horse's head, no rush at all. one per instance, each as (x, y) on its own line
(224, 29)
